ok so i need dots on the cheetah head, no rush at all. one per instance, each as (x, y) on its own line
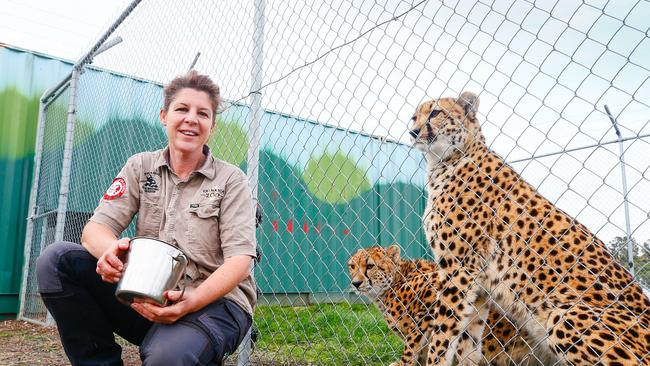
(373, 269)
(441, 127)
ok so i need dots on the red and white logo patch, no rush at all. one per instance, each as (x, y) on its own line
(117, 189)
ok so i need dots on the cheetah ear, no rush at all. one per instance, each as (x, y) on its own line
(469, 101)
(393, 252)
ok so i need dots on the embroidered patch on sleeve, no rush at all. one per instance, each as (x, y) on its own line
(117, 189)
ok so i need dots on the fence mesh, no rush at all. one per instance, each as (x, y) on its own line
(339, 82)
(44, 212)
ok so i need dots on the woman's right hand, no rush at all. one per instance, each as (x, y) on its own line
(109, 264)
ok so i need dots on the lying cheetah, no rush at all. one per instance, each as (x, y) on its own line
(406, 290)
(493, 232)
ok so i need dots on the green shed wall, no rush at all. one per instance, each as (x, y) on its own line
(23, 78)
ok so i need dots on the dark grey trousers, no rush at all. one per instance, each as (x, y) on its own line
(87, 314)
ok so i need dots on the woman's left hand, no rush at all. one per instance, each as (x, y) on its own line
(166, 314)
(217, 285)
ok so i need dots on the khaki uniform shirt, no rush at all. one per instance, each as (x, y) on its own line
(209, 216)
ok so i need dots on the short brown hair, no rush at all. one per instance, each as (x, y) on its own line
(196, 81)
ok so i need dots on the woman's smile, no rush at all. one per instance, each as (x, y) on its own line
(188, 133)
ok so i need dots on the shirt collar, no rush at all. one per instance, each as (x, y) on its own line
(208, 168)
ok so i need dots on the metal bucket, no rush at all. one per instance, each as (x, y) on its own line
(151, 268)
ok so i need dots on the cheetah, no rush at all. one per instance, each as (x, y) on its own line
(492, 232)
(405, 291)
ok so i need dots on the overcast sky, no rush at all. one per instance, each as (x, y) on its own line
(543, 72)
(62, 28)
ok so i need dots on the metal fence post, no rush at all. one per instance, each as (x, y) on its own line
(69, 134)
(628, 231)
(256, 98)
(67, 163)
(67, 156)
(32, 198)
(257, 72)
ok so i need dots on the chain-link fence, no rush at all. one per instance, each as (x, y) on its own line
(44, 202)
(319, 100)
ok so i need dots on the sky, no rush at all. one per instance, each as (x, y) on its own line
(543, 72)
(62, 28)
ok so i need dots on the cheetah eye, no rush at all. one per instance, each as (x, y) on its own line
(370, 266)
(434, 112)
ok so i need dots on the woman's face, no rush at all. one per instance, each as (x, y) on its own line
(188, 120)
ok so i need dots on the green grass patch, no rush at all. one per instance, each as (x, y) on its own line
(326, 334)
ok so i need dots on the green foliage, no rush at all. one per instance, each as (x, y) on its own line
(642, 264)
(18, 120)
(229, 142)
(335, 178)
(618, 248)
(642, 268)
(326, 334)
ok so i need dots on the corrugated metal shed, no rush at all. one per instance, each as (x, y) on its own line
(24, 76)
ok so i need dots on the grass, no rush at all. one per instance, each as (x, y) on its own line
(325, 334)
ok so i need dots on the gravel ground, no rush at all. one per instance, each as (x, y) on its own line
(23, 343)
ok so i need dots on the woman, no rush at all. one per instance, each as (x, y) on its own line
(183, 196)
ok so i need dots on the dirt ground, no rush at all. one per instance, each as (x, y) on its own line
(23, 343)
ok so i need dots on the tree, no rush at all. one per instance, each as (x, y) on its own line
(618, 246)
(642, 264)
(645, 249)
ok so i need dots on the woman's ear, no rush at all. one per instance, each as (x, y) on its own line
(214, 124)
(163, 115)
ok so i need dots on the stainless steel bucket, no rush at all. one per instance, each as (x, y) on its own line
(151, 268)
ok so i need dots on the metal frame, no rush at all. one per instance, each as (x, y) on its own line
(628, 230)
(45, 100)
(257, 73)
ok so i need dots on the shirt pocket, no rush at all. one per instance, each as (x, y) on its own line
(203, 232)
(149, 216)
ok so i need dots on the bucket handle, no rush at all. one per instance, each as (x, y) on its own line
(183, 283)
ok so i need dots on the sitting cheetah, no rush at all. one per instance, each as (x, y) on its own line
(492, 232)
(405, 292)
